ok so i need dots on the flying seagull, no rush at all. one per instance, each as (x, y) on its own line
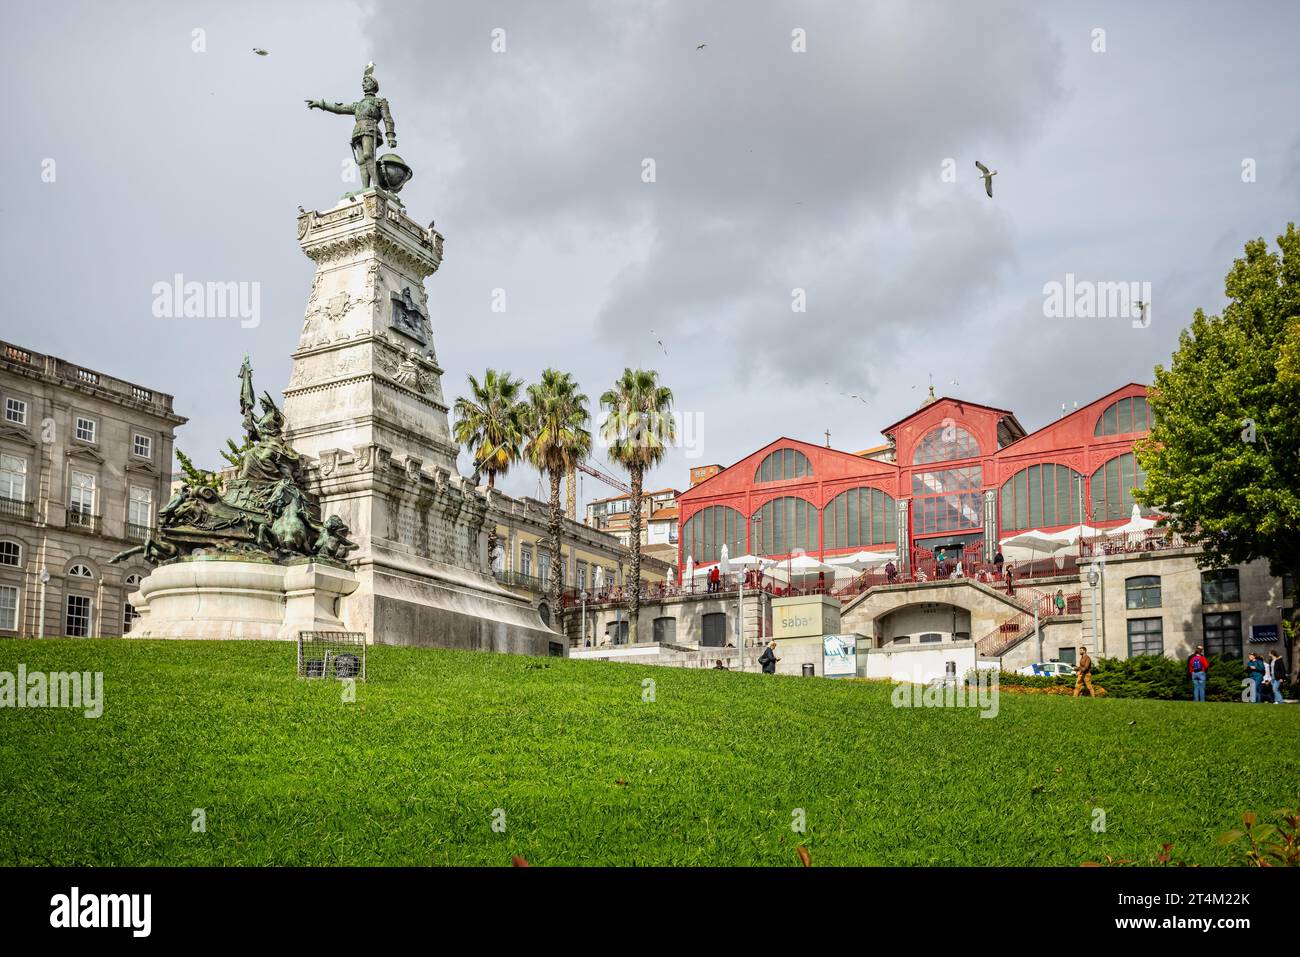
(259, 51)
(660, 341)
(701, 46)
(987, 177)
(854, 395)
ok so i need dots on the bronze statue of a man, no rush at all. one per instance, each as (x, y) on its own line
(368, 110)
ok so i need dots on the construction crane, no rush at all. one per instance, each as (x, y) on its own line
(571, 486)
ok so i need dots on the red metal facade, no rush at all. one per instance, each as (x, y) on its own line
(1069, 441)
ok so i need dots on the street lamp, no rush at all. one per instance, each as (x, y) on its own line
(1094, 577)
(582, 642)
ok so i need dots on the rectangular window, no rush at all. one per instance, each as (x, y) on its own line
(1220, 585)
(142, 445)
(1143, 591)
(13, 478)
(1145, 637)
(77, 620)
(85, 429)
(8, 607)
(544, 565)
(16, 411)
(1223, 634)
(1066, 654)
(526, 559)
(140, 507)
(582, 575)
(81, 494)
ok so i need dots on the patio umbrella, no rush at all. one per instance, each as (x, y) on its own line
(724, 563)
(1135, 524)
(861, 561)
(598, 579)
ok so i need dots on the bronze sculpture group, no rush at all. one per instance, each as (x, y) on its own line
(264, 509)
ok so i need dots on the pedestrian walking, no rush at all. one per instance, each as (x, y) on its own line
(1277, 671)
(768, 658)
(1083, 674)
(1198, 666)
(1255, 671)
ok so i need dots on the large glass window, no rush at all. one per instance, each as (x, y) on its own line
(860, 516)
(140, 508)
(783, 465)
(11, 553)
(525, 560)
(81, 496)
(709, 529)
(1040, 496)
(1124, 417)
(1220, 585)
(77, 620)
(945, 444)
(1146, 636)
(1112, 487)
(16, 411)
(1142, 591)
(129, 615)
(8, 607)
(13, 478)
(948, 500)
(1223, 634)
(785, 524)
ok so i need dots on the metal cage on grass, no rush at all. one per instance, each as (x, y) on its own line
(332, 654)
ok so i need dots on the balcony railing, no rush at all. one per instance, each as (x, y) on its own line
(83, 521)
(521, 580)
(138, 533)
(16, 508)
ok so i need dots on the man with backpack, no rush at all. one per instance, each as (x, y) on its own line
(1198, 666)
(768, 658)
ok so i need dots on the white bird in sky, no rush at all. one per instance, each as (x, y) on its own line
(660, 341)
(987, 177)
(854, 395)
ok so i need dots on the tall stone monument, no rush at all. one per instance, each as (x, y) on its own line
(365, 404)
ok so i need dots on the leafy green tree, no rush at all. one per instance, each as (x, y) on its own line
(1223, 456)
(558, 439)
(194, 477)
(638, 428)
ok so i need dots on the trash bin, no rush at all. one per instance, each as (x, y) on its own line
(808, 670)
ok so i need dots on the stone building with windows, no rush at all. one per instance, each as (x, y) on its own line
(659, 524)
(85, 464)
(522, 556)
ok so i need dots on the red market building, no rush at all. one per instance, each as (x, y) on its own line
(954, 475)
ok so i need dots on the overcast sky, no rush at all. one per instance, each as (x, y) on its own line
(775, 170)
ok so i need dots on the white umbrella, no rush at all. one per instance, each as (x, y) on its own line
(690, 569)
(1136, 523)
(724, 563)
(750, 561)
(598, 579)
(861, 561)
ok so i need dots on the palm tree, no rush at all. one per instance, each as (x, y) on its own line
(638, 429)
(491, 423)
(558, 440)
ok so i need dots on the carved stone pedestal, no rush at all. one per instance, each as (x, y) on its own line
(365, 402)
(234, 599)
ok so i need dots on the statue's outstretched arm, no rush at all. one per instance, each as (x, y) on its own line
(388, 122)
(346, 109)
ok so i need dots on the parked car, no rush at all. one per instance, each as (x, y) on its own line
(1047, 669)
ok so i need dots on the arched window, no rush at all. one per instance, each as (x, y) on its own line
(80, 571)
(1041, 496)
(709, 529)
(945, 444)
(129, 584)
(860, 516)
(11, 554)
(1113, 485)
(783, 465)
(1124, 417)
(785, 524)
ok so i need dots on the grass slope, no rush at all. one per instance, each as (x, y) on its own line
(713, 769)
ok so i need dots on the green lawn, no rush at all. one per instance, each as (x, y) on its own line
(711, 771)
